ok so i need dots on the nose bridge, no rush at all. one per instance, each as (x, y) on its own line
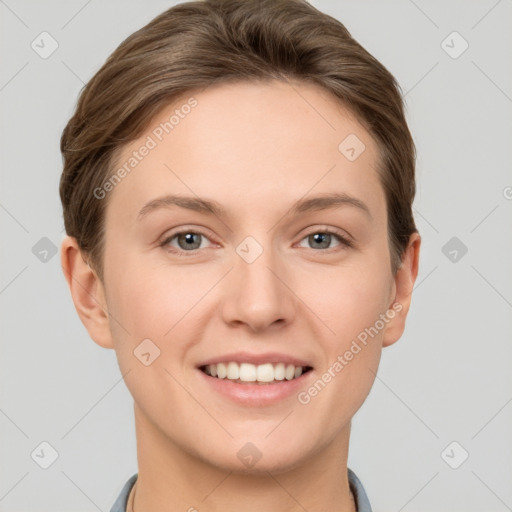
(256, 294)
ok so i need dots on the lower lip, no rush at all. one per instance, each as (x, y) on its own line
(253, 394)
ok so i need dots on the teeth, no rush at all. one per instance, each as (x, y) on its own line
(265, 373)
(233, 371)
(247, 372)
(279, 371)
(221, 371)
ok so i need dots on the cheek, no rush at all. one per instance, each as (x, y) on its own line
(352, 351)
(347, 299)
(350, 302)
(149, 308)
(151, 299)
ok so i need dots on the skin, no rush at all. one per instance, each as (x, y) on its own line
(256, 148)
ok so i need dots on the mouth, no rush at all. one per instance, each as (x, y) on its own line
(248, 373)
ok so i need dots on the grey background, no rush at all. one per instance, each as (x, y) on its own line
(448, 379)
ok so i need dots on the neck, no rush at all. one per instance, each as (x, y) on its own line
(170, 478)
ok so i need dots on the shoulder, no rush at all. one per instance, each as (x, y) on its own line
(362, 501)
(122, 499)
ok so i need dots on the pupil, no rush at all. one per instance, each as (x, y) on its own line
(189, 240)
(321, 238)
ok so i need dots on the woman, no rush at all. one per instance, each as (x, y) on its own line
(237, 191)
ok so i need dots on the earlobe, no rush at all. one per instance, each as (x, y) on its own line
(403, 284)
(87, 293)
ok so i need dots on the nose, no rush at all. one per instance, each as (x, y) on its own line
(258, 294)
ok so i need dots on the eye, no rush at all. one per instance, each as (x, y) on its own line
(187, 241)
(322, 239)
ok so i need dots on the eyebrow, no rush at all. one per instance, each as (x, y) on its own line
(211, 207)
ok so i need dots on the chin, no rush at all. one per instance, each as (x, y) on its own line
(258, 457)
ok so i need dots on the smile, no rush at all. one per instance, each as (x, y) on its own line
(251, 373)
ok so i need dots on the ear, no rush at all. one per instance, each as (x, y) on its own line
(87, 292)
(403, 285)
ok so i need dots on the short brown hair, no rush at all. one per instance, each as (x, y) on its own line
(196, 44)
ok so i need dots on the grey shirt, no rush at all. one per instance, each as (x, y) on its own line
(362, 503)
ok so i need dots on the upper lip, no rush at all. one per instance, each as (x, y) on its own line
(256, 359)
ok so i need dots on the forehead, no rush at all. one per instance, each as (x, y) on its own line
(250, 146)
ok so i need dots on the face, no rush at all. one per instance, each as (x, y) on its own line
(249, 238)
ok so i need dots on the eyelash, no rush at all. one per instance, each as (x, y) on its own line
(179, 252)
